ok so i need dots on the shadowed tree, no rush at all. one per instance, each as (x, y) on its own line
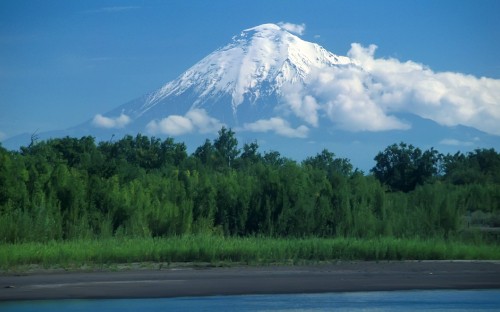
(482, 165)
(327, 162)
(402, 167)
(205, 153)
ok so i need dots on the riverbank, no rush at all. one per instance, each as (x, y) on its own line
(204, 281)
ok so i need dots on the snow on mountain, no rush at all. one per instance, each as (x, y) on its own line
(256, 63)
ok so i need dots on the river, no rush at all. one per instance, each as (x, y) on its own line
(422, 300)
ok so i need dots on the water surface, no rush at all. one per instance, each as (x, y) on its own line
(437, 300)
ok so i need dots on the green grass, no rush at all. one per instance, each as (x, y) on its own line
(216, 250)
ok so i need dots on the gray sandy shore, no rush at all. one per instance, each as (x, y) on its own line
(339, 277)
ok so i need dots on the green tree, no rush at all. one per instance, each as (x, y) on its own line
(402, 167)
(205, 153)
(226, 146)
(480, 166)
(327, 162)
(250, 155)
(274, 159)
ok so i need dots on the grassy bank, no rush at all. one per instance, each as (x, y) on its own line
(214, 250)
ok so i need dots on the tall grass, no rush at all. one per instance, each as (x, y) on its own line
(250, 250)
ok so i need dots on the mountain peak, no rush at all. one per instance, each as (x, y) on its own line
(256, 63)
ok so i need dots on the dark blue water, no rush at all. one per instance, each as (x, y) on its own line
(437, 300)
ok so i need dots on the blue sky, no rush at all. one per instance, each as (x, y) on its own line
(62, 62)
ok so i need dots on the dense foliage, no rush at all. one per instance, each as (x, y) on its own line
(71, 188)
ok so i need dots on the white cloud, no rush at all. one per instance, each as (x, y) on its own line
(279, 126)
(203, 122)
(301, 103)
(447, 98)
(195, 120)
(101, 121)
(347, 103)
(172, 125)
(3, 136)
(455, 142)
(298, 29)
(366, 96)
(339, 94)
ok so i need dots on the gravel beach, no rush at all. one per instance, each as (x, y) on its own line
(321, 278)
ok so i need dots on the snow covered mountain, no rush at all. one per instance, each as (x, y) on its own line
(269, 85)
(249, 77)
(257, 63)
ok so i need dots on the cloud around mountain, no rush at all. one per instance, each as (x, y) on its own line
(119, 122)
(455, 142)
(195, 120)
(297, 29)
(366, 97)
(3, 136)
(448, 98)
(278, 126)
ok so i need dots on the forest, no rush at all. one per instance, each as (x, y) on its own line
(68, 189)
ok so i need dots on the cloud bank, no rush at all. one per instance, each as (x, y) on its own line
(297, 29)
(367, 95)
(195, 120)
(278, 126)
(101, 121)
(455, 142)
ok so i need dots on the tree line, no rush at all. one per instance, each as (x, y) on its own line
(74, 188)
